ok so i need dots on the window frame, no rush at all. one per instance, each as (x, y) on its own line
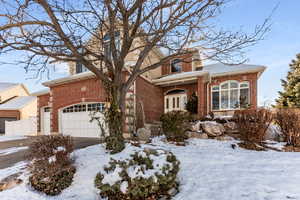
(107, 41)
(85, 107)
(218, 88)
(171, 61)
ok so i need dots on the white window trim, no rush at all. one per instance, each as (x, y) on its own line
(182, 102)
(220, 97)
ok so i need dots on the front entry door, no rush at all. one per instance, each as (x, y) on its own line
(175, 102)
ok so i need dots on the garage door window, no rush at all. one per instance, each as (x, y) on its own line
(85, 107)
(47, 109)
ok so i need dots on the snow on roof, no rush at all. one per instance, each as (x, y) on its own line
(181, 75)
(17, 103)
(218, 69)
(41, 92)
(5, 86)
(76, 77)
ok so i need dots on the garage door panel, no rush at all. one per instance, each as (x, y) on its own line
(78, 124)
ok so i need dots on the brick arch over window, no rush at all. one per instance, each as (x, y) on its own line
(175, 90)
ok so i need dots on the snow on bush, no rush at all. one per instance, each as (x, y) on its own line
(146, 174)
(51, 167)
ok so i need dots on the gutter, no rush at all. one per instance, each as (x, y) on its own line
(76, 77)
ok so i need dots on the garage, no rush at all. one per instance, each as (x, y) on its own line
(2, 122)
(75, 120)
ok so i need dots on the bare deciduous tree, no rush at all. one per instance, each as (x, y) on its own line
(51, 31)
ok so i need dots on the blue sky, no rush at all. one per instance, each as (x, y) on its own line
(278, 49)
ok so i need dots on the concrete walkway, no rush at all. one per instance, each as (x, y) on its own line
(11, 159)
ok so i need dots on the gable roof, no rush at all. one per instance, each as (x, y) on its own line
(17, 103)
(212, 70)
(5, 85)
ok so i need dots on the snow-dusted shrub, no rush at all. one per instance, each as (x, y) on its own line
(289, 122)
(253, 124)
(51, 166)
(148, 174)
(175, 124)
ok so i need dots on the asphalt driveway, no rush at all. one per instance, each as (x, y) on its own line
(13, 158)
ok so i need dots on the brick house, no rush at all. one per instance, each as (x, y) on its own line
(66, 107)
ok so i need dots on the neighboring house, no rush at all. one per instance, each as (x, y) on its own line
(66, 107)
(15, 103)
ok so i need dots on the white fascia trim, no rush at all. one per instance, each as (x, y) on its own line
(40, 93)
(177, 81)
(69, 78)
(181, 77)
(260, 70)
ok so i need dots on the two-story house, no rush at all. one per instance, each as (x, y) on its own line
(66, 107)
(15, 103)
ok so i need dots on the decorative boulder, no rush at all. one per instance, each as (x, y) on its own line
(144, 134)
(194, 127)
(198, 135)
(224, 138)
(274, 133)
(10, 182)
(212, 128)
(231, 127)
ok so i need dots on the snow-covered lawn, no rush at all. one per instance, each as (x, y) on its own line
(210, 170)
(4, 138)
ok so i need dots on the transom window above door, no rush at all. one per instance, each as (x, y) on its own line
(230, 95)
(176, 65)
(175, 100)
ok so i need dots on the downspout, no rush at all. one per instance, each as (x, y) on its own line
(207, 94)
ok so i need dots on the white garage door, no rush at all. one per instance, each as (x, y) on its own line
(46, 120)
(76, 120)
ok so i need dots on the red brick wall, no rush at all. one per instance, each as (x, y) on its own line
(202, 97)
(152, 99)
(186, 64)
(43, 101)
(251, 78)
(10, 113)
(90, 90)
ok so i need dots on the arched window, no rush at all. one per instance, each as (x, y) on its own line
(230, 95)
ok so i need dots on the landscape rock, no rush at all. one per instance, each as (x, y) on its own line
(274, 133)
(196, 126)
(144, 134)
(231, 127)
(212, 128)
(10, 182)
(224, 138)
(198, 135)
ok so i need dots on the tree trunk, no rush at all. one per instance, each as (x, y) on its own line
(115, 119)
